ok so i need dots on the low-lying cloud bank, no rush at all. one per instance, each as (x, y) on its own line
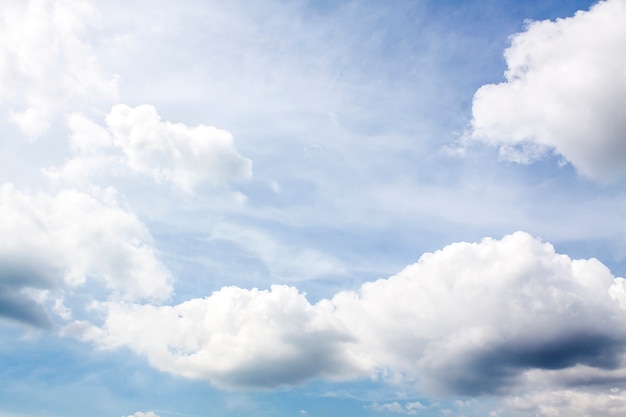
(470, 319)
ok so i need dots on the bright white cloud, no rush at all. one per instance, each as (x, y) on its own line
(45, 61)
(54, 241)
(410, 408)
(569, 403)
(565, 91)
(394, 407)
(235, 337)
(470, 319)
(173, 152)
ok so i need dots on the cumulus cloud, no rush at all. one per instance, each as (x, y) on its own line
(172, 152)
(45, 60)
(235, 337)
(55, 241)
(565, 92)
(472, 318)
(175, 152)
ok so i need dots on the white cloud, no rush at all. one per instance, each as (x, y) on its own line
(45, 61)
(55, 241)
(570, 403)
(472, 318)
(235, 337)
(31, 121)
(173, 152)
(565, 92)
(410, 408)
(394, 407)
(144, 414)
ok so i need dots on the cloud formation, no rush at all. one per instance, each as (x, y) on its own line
(236, 338)
(564, 93)
(58, 241)
(569, 403)
(167, 152)
(174, 152)
(472, 318)
(45, 61)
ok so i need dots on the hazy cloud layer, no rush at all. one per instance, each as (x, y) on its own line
(45, 60)
(55, 241)
(565, 92)
(472, 318)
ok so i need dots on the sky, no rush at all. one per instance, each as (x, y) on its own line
(312, 208)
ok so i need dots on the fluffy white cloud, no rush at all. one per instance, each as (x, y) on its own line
(472, 318)
(55, 241)
(235, 337)
(173, 152)
(565, 91)
(45, 61)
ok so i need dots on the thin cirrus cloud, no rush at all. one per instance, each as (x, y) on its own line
(46, 62)
(564, 93)
(167, 152)
(51, 242)
(470, 319)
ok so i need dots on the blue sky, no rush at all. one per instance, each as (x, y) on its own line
(312, 208)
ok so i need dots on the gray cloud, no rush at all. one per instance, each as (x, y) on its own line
(21, 308)
(15, 277)
(493, 370)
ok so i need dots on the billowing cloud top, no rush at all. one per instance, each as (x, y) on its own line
(565, 92)
(468, 319)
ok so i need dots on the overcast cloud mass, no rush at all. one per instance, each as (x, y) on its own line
(312, 208)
